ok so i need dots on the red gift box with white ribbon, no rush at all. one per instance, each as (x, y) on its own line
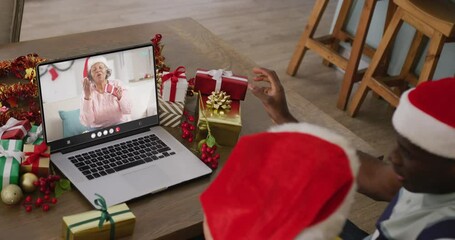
(15, 129)
(208, 81)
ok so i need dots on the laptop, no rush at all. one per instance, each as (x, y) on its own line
(109, 141)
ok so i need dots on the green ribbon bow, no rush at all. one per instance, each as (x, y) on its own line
(105, 216)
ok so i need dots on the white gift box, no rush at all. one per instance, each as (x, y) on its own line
(180, 88)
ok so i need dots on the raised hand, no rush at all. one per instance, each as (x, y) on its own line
(86, 86)
(118, 91)
(272, 96)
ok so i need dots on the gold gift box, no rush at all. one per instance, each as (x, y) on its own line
(42, 170)
(225, 126)
(123, 218)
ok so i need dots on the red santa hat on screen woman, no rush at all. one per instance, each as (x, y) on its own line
(295, 181)
(426, 117)
(92, 60)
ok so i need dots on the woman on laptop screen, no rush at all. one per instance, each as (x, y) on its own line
(104, 102)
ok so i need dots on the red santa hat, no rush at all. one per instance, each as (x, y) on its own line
(92, 60)
(295, 181)
(426, 117)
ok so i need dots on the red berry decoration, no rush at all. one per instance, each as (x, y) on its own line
(207, 146)
(46, 187)
(187, 127)
(28, 208)
(45, 207)
(38, 202)
(208, 154)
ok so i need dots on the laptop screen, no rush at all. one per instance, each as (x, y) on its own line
(99, 96)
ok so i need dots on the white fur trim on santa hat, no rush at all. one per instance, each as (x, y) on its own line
(422, 129)
(332, 226)
(96, 59)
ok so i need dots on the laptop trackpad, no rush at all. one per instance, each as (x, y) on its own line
(147, 179)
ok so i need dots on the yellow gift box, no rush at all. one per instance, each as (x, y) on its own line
(36, 159)
(120, 222)
(225, 126)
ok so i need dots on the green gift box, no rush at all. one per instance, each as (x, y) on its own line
(35, 135)
(10, 158)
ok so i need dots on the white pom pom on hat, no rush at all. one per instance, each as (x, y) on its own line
(426, 117)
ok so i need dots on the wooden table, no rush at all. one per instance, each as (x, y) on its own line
(176, 212)
(171, 214)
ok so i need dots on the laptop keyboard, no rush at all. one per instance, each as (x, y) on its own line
(118, 157)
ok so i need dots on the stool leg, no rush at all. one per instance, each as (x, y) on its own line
(339, 24)
(433, 54)
(356, 53)
(410, 57)
(386, 41)
(384, 65)
(310, 28)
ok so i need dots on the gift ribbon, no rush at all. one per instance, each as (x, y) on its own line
(174, 77)
(32, 136)
(11, 125)
(9, 152)
(218, 74)
(105, 216)
(33, 159)
(11, 156)
(7, 168)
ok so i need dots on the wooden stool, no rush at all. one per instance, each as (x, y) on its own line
(327, 46)
(436, 20)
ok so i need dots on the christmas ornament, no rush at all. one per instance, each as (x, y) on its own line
(219, 101)
(40, 202)
(187, 127)
(208, 146)
(47, 186)
(158, 49)
(11, 194)
(190, 90)
(208, 155)
(27, 181)
(20, 100)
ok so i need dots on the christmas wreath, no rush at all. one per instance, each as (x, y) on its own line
(20, 100)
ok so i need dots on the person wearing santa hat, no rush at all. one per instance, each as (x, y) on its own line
(280, 185)
(418, 178)
(104, 102)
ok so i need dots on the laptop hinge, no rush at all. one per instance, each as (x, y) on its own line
(101, 141)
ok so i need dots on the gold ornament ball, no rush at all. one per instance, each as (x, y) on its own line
(27, 182)
(11, 194)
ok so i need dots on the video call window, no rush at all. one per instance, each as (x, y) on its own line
(86, 94)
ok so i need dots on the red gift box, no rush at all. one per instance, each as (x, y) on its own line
(208, 81)
(111, 89)
(15, 129)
